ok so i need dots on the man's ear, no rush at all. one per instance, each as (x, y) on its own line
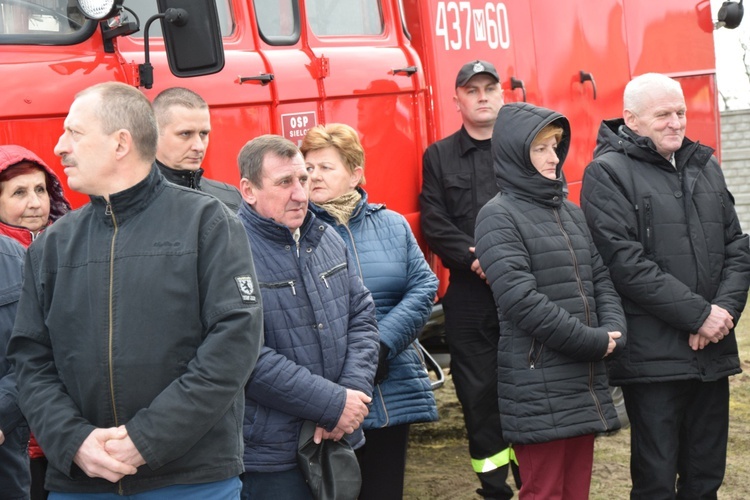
(631, 120)
(124, 143)
(248, 191)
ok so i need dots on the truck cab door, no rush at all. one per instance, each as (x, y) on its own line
(370, 80)
(239, 99)
(582, 68)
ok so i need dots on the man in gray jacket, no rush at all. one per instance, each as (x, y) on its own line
(664, 222)
(139, 320)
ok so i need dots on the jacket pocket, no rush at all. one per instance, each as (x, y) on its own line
(458, 195)
(325, 276)
(277, 285)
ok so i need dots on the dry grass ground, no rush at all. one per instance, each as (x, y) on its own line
(438, 465)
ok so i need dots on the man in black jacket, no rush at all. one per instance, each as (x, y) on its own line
(184, 127)
(663, 220)
(458, 179)
(139, 321)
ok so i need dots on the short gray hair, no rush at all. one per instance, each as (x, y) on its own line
(639, 88)
(252, 154)
(125, 107)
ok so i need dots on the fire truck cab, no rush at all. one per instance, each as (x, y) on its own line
(385, 67)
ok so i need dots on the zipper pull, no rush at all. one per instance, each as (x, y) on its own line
(108, 209)
(325, 281)
(291, 284)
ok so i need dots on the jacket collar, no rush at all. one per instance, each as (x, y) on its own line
(131, 201)
(269, 229)
(20, 234)
(614, 135)
(187, 178)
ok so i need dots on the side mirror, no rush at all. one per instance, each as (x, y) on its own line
(730, 15)
(192, 37)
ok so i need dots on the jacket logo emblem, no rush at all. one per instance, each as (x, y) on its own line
(247, 289)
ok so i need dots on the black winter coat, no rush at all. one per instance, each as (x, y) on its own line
(555, 299)
(674, 246)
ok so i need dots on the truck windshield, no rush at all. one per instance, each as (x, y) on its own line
(47, 21)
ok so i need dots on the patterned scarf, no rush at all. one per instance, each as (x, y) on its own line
(341, 208)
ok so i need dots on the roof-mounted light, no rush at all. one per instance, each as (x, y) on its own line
(99, 9)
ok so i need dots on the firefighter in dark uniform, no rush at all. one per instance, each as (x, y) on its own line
(458, 179)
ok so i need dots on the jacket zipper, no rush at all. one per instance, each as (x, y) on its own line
(593, 396)
(331, 272)
(579, 281)
(108, 211)
(280, 284)
(648, 222)
(354, 246)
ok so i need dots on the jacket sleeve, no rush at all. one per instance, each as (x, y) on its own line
(10, 413)
(402, 324)
(608, 305)
(217, 374)
(733, 289)
(281, 384)
(442, 235)
(612, 219)
(507, 264)
(52, 415)
(11, 276)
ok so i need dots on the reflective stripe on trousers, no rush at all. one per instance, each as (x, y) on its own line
(495, 461)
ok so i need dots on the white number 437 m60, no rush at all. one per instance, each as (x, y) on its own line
(458, 23)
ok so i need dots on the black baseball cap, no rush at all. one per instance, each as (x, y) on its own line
(472, 68)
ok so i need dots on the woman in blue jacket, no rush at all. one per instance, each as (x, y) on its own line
(395, 271)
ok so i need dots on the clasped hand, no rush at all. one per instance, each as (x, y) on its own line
(355, 411)
(109, 454)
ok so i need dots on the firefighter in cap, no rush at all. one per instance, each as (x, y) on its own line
(458, 179)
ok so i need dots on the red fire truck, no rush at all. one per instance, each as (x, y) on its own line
(386, 67)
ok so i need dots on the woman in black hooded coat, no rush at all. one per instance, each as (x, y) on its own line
(559, 313)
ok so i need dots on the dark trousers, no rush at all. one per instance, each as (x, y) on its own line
(472, 331)
(38, 472)
(287, 485)
(382, 461)
(556, 470)
(678, 440)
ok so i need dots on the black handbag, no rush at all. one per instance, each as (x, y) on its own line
(330, 468)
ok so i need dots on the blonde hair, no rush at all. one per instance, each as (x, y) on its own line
(342, 138)
(549, 130)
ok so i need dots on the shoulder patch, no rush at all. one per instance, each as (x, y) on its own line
(247, 289)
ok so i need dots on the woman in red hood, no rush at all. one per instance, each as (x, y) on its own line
(31, 198)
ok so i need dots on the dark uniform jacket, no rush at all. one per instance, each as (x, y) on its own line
(674, 246)
(142, 311)
(194, 179)
(554, 296)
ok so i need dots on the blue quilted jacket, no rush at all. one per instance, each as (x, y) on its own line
(321, 338)
(403, 287)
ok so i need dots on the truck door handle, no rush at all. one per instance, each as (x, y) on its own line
(588, 77)
(408, 71)
(263, 78)
(515, 83)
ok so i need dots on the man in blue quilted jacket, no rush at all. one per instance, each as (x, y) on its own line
(321, 339)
